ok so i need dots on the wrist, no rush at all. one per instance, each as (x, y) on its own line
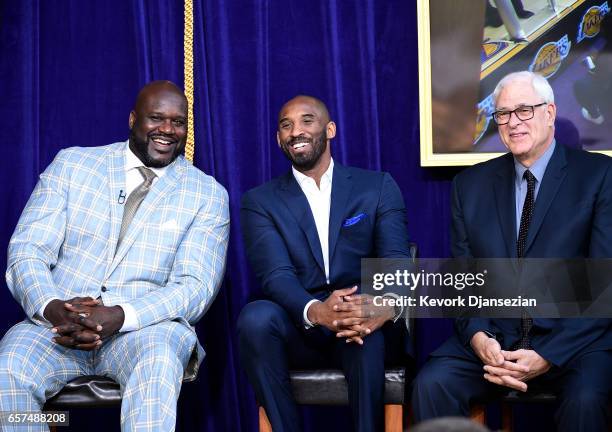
(49, 312)
(118, 317)
(313, 313)
(478, 340)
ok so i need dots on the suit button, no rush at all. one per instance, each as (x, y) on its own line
(104, 289)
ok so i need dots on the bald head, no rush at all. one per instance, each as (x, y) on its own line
(155, 89)
(315, 104)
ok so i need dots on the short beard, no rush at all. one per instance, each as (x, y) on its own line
(306, 162)
(140, 147)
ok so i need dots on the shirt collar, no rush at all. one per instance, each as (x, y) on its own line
(132, 162)
(325, 178)
(539, 166)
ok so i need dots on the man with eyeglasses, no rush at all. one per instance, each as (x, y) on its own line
(541, 200)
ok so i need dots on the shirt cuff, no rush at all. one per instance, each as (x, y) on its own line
(41, 312)
(130, 320)
(307, 323)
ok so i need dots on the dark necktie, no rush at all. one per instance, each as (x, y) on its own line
(521, 243)
(134, 200)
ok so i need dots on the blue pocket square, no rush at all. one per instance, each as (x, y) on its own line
(353, 220)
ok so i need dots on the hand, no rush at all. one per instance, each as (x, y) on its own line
(519, 367)
(56, 314)
(369, 318)
(72, 335)
(323, 313)
(487, 349)
(77, 337)
(108, 319)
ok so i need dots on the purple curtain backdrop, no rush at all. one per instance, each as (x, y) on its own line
(69, 73)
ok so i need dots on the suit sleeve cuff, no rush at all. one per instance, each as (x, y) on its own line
(307, 323)
(488, 333)
(130, 320)
(473, 326)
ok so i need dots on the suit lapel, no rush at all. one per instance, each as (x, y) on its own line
(290, 192)
(506, 209)
(553, 177)
(116, 176)
(341, 190)
(163, 188)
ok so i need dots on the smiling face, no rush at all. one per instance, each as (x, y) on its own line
(158, 124)
(526, 139)
(304, 131)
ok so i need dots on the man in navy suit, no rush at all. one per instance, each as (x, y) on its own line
(568, 215)
(305, 234)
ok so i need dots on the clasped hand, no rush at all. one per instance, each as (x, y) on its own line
(508, 368)
(83, 322)
(349, 315)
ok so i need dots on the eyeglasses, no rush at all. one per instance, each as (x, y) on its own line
(522, 113)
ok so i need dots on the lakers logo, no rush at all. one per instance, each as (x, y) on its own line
(549, 57)
(482, 122)
(491, 49)
(590, 25)
(483, 116)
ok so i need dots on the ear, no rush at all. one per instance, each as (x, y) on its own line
(278, 139)
(132, 119)
(551, 112)
(331, 130)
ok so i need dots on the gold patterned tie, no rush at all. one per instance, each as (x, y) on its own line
(134, 200)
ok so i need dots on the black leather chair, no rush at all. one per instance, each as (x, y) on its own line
(329, 387)
(85, 391)
(95, 391)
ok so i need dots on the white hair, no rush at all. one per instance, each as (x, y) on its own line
(539, 84)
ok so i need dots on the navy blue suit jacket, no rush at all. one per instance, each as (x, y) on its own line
(572, 219)
(367, 220)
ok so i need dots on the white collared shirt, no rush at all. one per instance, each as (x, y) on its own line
(133, 178)
(319, 200)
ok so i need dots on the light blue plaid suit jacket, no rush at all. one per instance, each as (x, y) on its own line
(169, 265)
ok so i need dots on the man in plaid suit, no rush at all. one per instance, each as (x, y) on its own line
(112, 285)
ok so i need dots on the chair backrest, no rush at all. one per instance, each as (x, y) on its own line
(414, 250)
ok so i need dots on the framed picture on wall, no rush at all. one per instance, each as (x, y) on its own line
(467, 46)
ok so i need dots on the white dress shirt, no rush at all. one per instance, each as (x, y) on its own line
(319, 200)
(133, 179)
